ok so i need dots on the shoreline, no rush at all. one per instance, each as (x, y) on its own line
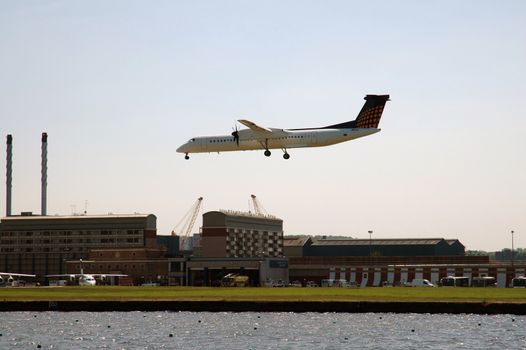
(491, 308)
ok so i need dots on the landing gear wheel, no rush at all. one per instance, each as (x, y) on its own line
(186, 157)
(267, 153)
(286, 155)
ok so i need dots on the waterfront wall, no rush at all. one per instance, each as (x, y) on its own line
(247, 306)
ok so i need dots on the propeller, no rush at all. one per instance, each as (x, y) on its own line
(235, 133)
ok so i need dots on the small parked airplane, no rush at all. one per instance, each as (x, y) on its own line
(87, 279)
(11, 277)
(257, 137)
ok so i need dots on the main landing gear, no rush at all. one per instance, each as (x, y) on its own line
(285, 154)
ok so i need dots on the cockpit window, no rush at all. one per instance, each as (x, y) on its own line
(192, 140)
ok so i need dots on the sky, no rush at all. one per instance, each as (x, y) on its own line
(119, 85)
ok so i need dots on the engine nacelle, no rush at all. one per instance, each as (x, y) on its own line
(10, 279)
(1, 280)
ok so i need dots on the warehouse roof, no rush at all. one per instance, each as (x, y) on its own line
(62, 217)
(397, 241)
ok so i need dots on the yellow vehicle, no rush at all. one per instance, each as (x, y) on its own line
(235, 280)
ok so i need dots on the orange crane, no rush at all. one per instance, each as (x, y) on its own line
(185, 226)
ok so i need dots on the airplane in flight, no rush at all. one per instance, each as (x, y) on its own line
(261, 138)
(9, 277)
(87, 279)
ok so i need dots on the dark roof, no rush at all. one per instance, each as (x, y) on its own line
(355, 242)
(294, 241)
(453, 241)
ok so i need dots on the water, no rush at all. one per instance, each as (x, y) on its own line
(249, 330)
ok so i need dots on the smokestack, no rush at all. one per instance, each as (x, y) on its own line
(9, 174)
(44, 174)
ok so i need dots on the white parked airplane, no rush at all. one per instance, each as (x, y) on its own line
(260, 138)
(9, 277)
(87, 279)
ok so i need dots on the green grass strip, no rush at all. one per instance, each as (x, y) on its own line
(114, 293)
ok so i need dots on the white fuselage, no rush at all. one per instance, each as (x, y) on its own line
(87, 280)
(278, 139)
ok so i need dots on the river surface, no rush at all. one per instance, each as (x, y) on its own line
(249, 330)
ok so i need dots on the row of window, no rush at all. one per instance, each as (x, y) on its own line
(113, 267)
(40, 249)
(70, 241)
(231, 140)
(48, 249)
(69, 233)
(247, 231)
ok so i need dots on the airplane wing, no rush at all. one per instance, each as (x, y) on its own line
(253, 126)
(64, 275)
(91, 274)
(16, 274)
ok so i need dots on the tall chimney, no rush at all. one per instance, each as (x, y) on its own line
(9, 174)
(44, 174)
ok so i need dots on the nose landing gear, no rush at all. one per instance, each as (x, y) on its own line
(186, 156)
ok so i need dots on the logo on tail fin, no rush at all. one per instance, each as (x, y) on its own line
(369, 116)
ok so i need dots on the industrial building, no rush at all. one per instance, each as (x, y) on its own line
(232, 234)
(41, 244)
(304, 246)
(378, 262)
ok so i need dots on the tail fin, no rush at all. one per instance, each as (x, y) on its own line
(371, 112)
(369, 116)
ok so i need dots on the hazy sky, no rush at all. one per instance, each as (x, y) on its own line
(119, 85)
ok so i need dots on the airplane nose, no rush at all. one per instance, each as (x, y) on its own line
(181, 149)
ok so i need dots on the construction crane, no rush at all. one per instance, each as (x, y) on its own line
(185, 226)
(258, 207)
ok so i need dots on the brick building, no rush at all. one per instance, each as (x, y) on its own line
(230, 234)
